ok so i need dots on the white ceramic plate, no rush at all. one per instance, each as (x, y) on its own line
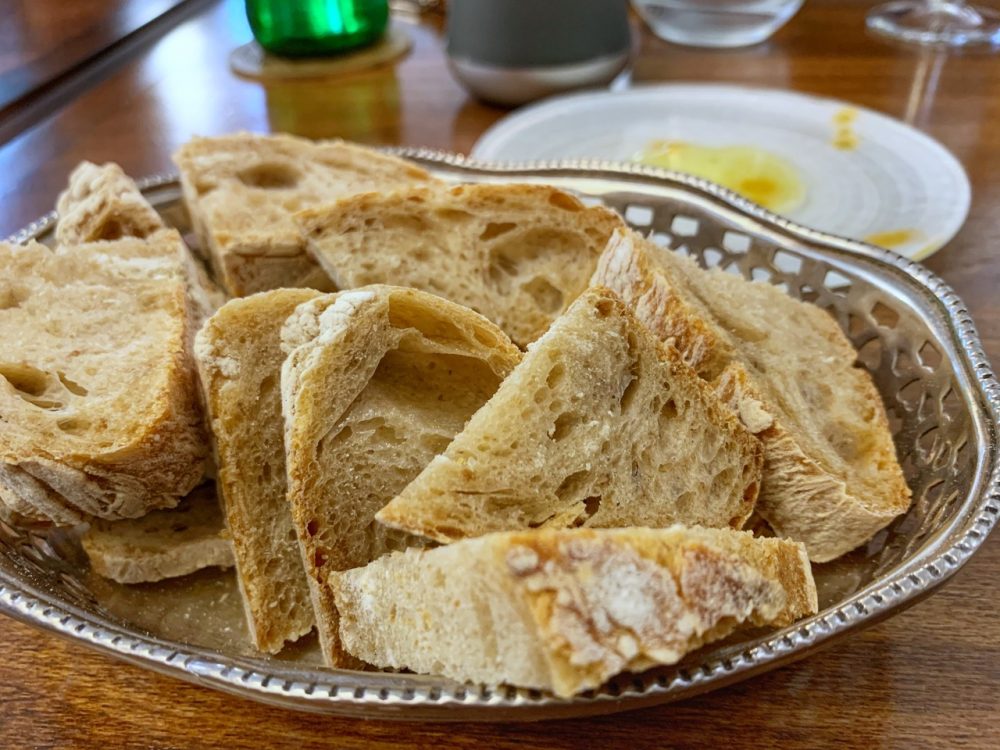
(891, 184)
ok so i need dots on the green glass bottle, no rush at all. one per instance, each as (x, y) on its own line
(312, 28)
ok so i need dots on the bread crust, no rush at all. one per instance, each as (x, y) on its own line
(239, 356)
(365, 410)
(600, 425)
(517, 254)
(800, 497)
(81, 440)
(241, 190)
(564, 610)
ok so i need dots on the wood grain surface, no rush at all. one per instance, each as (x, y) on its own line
(41, 40)
(929, 677)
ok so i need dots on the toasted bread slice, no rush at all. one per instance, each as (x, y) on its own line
(518, 254)
(239, 357)
(98, 400)
(600, 425)
(162, 544)
(241, 191)
(564, 610)
(377, 382)
(103, 203)
(831, 477)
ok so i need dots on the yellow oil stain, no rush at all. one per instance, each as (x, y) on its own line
(756, 174)
(845, 137)
(894, 238)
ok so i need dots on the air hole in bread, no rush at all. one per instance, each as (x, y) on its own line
(572, 485)
(319, 558)
(564, 201)
(555, 375)
(312, 527)
(70, 385)
(179, 528)
(72, 425)
(28, 380)
(12, 296)
(564, 425)
(266, 387)
(604, 308)
(669, 409)
(453, 215)
(547, 297)
(269, 176)
(496, 228)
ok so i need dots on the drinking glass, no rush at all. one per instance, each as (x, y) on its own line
(950, 23)
(716, 23)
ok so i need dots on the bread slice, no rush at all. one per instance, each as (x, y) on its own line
(518, 254)
(98, 400)
(162, 544)
(103, 203)
(600, 425)
(241, 191)
(239, 357)
(377, 382)
(831, 477)
(564, 610)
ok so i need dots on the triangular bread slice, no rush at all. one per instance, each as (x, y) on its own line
(242, 189)
(518, 254)
(98, 400)
(564, 610)
(103, 203)
(600, 425)
(831, 477)
(239, 357)
(377, 382)
(162, 544)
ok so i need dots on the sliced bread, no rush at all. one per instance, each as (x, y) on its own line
(162, 544)
(377, 382)
(564, 610)
(518, 254)
(103, 203)
(98, 400)
(241, 191)
(831, 477)
(600, 425)
(239, 357)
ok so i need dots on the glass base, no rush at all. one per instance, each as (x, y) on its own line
(949, 24)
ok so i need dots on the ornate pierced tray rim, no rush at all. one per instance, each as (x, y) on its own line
(421, 697)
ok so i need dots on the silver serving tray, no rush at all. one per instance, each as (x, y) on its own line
(913, 333)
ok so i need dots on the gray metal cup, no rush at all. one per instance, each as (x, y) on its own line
(513, 51)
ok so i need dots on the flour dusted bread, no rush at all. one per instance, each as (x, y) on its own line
(239, 357)
(564, 610)
(377, 382)
(103, 203)
(518, 254)
(162, 544)
(600, 425)
(831, 478)
(99, 413)
(241, 191)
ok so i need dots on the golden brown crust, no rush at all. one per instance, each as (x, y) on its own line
(239, 357)
(517, 254)
(564, 610)
(377, 380)
(84, 439)
(241, 190)
(813, 489)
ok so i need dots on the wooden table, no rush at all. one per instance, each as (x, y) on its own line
(927, 678)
